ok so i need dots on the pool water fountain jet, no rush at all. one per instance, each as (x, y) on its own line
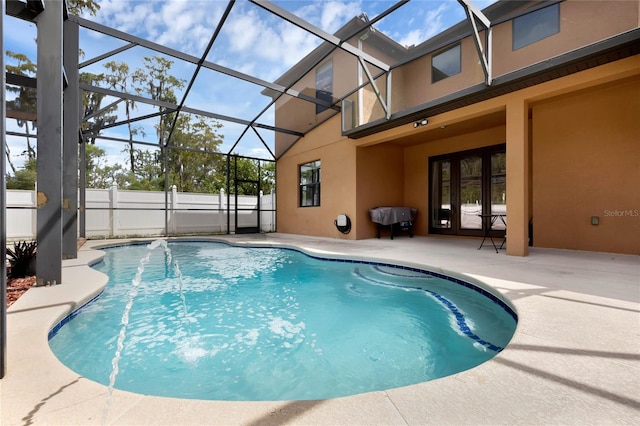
(133, 292)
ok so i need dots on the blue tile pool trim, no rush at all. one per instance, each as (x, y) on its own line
(375, 265)
(460, 320)
(427, 272)
(54, 330)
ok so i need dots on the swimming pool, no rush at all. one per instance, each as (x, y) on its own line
(235, 323)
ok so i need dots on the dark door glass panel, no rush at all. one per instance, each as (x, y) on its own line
(499, 187)
(441, 195)
(470, 192)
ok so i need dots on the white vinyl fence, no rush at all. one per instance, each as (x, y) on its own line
(114, 212)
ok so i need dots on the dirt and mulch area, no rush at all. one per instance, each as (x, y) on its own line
(16, 287)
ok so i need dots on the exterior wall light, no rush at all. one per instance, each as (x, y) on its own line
(422, 122)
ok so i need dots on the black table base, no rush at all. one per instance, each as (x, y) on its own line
(488, 220)
(396, 228)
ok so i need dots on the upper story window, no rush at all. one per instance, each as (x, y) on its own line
(446, 63)
(310, 184)
(324, 85)
(536, 25)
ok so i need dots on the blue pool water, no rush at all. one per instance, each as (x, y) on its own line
(233, 323)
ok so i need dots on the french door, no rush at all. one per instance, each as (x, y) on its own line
(464, 187)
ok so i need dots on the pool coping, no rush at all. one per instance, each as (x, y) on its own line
(39, 389)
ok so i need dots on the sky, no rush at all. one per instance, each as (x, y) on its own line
(252, 41)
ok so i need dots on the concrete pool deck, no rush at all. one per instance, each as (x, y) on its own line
(574, 359)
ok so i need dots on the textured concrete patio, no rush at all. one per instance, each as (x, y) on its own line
(574, 359)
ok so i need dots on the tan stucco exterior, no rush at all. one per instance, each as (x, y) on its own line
(572, 153)
(412, 82)
(588, 164)
(338, 157)
(580, 25)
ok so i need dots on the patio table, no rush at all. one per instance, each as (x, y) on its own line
(488, 220)
(397, 218)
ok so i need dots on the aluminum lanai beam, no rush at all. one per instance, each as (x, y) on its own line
(106, 55)
(21, 80)
(71, 127)
(474, 15)
(49, 158)
(311, 66)
(93, 130)
(21, 134)
(240, 121)
(185, 57)
(136, 98)
(27, 11)
(82, 178)
(3, 208)
(155, 145)
(102, 110)
(301, 23)
(171, 107)
(263, 142)
(365, 68)
(225, 15)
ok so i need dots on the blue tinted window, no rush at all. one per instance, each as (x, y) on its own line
(535, 26)
(445, 64)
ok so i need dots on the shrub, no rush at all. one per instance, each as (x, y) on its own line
(22, 259)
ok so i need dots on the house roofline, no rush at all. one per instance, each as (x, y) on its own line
(609, 50)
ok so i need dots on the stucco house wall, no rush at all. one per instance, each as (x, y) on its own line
(572, 150)
(338, 183)
(586, 163)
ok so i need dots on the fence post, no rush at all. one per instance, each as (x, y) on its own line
(173, 218)
(33, 212)
(273, 210)
(259, 210)
(221, 199)
(113, 209)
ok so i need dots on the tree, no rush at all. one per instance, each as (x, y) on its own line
(118, 79)
(148, 175)
(100, 174)
(249, 171)
(154, 80)
(91, 104)
(26, 100)
(24, 178)
(76, 7)
(195, 168)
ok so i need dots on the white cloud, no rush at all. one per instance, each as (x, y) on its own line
(329, 16)
(253, 41)
(335, 14)
(432, 24)
(267, 46)
(243, 31)
(185, 25)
